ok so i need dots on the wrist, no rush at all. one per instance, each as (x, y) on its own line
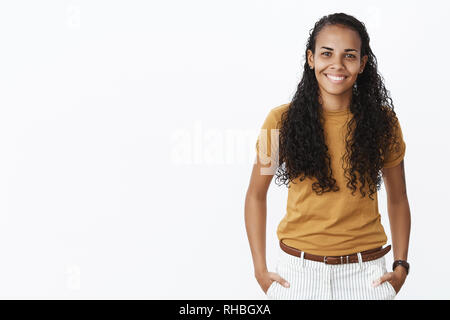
(401, 265)
(260, 272)
(401, 270)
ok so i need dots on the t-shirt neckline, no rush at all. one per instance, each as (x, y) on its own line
(336, 112)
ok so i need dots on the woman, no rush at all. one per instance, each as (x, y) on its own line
(329, 146)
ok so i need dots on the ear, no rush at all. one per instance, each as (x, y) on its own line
(364, 61)
(310, 57)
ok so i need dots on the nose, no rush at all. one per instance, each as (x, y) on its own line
(336, 63)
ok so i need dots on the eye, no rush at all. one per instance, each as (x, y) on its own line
(348, 54)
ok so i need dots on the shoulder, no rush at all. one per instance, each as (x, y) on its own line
(279, 110)
(396, 148)
(273, 118)
(394, 120)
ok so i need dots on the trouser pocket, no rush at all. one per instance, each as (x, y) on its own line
(270, 287)
(392, 287)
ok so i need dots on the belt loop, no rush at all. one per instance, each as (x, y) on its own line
(302, 256)
(360, 260)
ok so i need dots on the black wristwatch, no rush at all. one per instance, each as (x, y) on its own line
(402, 263)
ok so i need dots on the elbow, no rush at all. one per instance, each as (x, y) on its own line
(398, 200)
(256, 195)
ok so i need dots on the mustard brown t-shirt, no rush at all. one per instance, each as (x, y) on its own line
(334, 223)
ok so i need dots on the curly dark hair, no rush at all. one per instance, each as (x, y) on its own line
(302, 148)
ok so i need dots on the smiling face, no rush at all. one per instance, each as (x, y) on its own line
(337, 59)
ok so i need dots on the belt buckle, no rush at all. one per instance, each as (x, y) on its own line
(325, 259)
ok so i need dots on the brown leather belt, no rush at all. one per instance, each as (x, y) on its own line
(367, 255)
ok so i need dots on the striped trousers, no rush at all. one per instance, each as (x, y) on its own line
(314, 280)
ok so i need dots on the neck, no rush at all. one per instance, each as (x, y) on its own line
(332, 102)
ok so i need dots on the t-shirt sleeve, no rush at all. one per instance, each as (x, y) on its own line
(395, 153)
(267, 143)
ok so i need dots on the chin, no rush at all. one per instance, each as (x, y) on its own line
(335, 91)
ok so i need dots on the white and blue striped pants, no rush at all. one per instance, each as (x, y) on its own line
(314, 280)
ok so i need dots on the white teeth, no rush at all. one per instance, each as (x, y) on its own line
(335, 78)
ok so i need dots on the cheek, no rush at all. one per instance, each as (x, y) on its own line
(321, 77)
(354, 70)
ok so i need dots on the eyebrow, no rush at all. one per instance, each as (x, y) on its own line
(346, 50)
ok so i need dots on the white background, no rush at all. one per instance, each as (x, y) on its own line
(127, 134)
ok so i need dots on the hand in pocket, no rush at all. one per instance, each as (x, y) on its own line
(267, 279)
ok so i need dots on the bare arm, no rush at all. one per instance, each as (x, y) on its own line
(398, 209)
(256, 215)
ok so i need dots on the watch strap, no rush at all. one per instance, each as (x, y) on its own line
(403, 263)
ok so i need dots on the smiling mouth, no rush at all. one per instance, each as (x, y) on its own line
(336, 79)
